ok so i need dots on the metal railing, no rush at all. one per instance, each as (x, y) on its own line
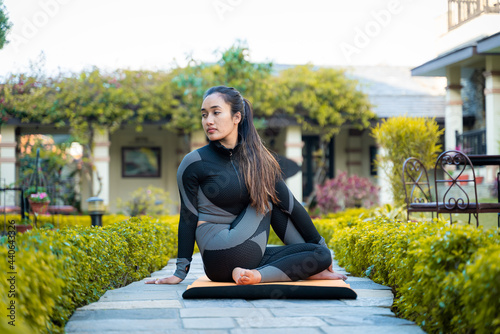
(460, 11)
(472, 142)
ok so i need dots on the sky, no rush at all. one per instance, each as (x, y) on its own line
(73, 35)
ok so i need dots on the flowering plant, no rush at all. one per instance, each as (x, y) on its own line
(40, 197)
(153, 201)
(346, 192)
(37, 195)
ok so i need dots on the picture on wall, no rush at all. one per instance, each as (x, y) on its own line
(141, 162)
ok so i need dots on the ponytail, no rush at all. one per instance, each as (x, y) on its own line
(258, 165)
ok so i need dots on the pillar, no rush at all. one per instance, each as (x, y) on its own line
(492, 105)
(8, 160)
(453, 113)
(354, 152)
(293, 151)
(384, 182)
(101, 163)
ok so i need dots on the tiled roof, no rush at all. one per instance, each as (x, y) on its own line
(393, 91)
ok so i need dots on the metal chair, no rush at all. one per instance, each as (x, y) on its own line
(453, 197)
(417, 188)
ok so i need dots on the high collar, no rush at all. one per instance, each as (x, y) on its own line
(217, 146)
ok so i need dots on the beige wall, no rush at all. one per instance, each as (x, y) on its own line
(481, 26)
(151, 136)
(287, 142)
(7, 159)
(352, 152)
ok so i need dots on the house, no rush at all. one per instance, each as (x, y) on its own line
(469, 60)
(393, 92)
(126, 160)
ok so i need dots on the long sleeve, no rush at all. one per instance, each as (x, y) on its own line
(188, 183)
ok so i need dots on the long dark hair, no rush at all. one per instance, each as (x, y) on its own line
(258, 165)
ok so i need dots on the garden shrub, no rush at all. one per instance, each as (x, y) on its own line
(153, 201)
(62, 221)
(59, 271)
(324, 225)
(403, 137)
(481, 286)
(344, 192)
(446, 279)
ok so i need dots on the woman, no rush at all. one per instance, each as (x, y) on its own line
(231, 193)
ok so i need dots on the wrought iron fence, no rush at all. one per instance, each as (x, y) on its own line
(460, 11)
(472, 142)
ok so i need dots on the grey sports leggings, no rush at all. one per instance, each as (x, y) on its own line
(243, 243)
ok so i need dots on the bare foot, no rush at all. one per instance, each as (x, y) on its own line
(167, 280)
(327, 274)
(246, 276)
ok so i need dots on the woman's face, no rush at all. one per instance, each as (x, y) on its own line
(218, 122)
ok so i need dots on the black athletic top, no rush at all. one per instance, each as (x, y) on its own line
(212, 189)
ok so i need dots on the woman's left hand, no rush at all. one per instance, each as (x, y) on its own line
(167, 280)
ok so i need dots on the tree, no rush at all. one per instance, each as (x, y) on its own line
(233, 69)
(5, 25)
(403, 137)
(88, 102)
(322, 100)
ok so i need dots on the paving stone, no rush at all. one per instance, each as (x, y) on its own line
(208, 323)
(121, 325)
(280, 322)
(365, 320)
(132, 305)
(81, 315)
(357, 279)
(362, 302)
(239, 312)
(121, 295)
(204, 331)
(357, 285)
(158, 288)
(329, 311)
(367, 293)
(373, 330)
(208, 303)
(302, 303)
(289, 330)
(160, 331)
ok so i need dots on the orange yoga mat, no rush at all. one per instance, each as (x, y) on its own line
(307, 289)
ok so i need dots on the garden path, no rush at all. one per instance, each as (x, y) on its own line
(150, 308)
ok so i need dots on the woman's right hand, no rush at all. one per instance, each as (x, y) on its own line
(167, 280)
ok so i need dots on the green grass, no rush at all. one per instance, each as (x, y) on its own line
(486, 220)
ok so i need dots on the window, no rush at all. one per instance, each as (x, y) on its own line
(373, 156)
(141, 162)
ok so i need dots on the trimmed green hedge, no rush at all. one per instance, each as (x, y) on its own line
(446, 279)
(59, 271)
(62, 221)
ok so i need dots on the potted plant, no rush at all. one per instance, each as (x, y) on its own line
(23, 226)
(479, 177)
(38, 199)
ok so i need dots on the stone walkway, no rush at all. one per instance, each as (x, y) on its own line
(150, 308)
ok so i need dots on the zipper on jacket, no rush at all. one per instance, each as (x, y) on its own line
(235, 170)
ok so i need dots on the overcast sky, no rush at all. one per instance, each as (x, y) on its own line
(156, 34)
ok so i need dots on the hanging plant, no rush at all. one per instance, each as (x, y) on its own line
(38, 199)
